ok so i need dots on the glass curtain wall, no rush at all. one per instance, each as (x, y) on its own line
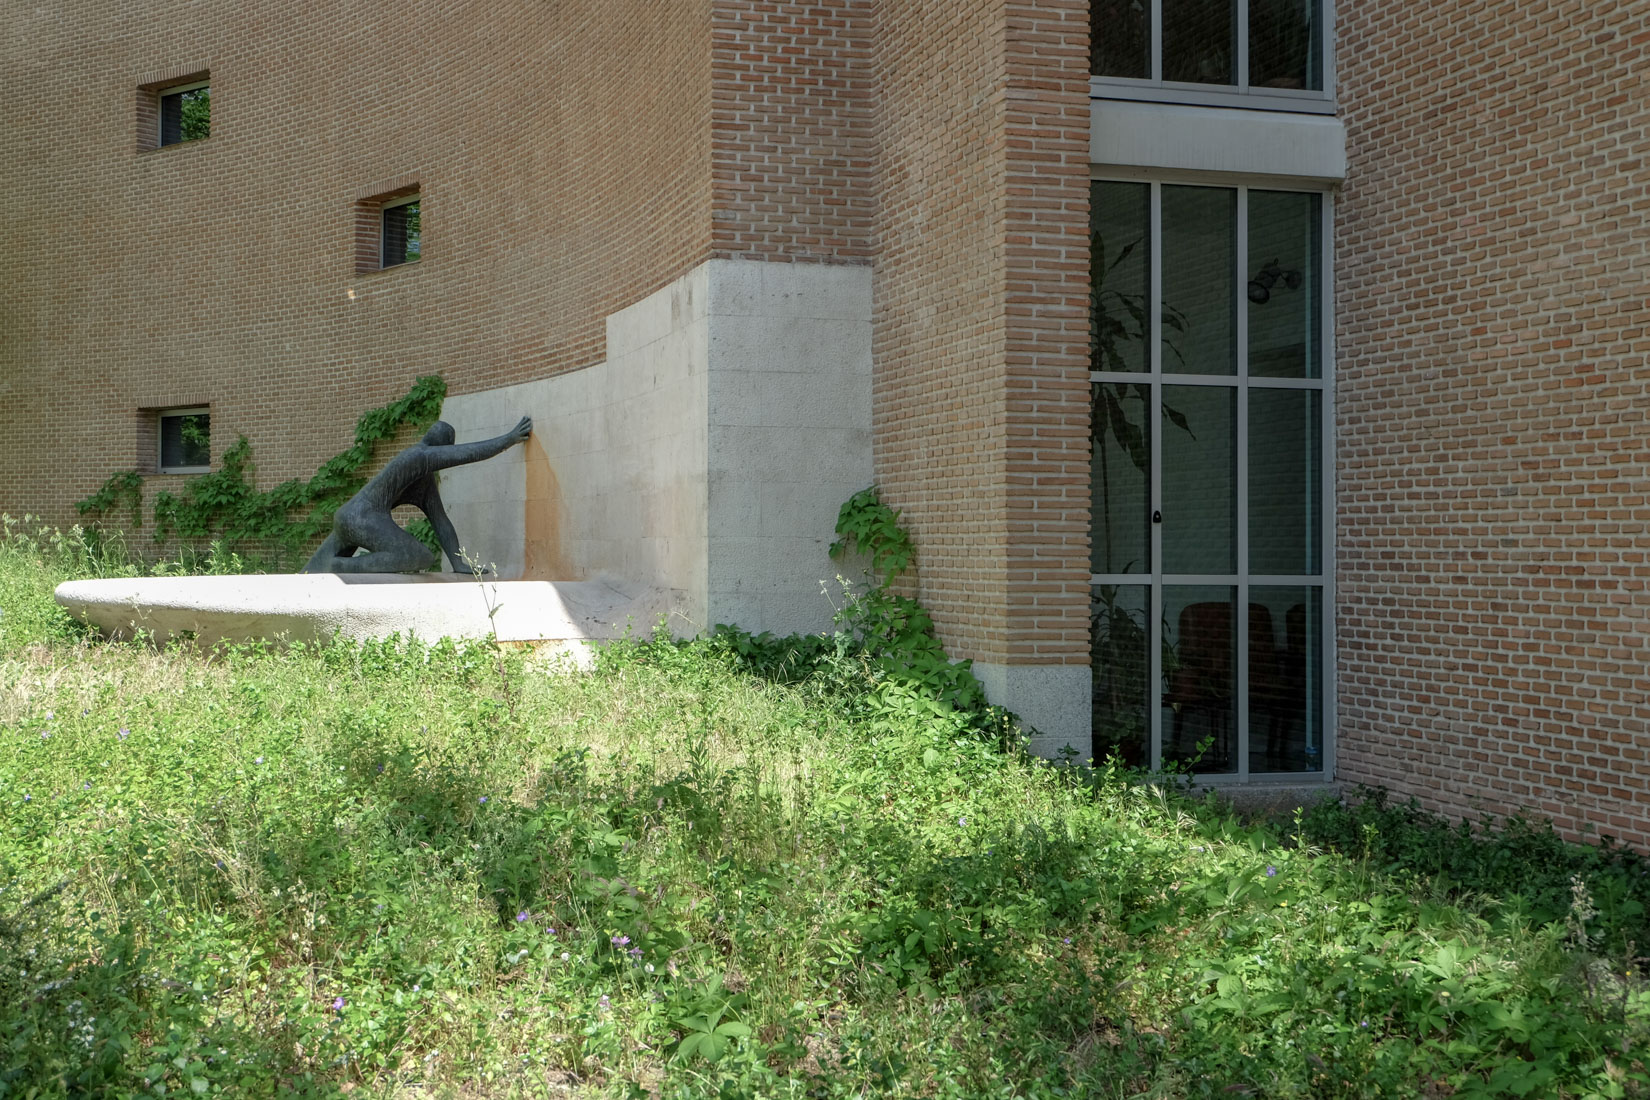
(1261, 46)
(1208, 545)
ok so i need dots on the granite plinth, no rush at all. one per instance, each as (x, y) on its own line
(315, 607)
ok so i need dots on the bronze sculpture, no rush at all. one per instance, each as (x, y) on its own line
(364, 522)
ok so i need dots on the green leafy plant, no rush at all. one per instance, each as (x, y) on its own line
(712, 1026)
(894, 629)
(737, 866)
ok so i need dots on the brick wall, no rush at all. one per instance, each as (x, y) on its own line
(981, 333)
(1493, 399)
(791, 130)
(561, 151)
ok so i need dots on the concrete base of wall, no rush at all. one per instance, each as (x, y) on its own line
(1271, 799)
(707, 455)
(1052, 699)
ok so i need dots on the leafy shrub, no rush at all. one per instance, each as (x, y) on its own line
(1522, 868)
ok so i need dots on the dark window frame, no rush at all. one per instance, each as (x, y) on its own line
(400, 231)
(184, 449)
(1154, 88)
(172, 127)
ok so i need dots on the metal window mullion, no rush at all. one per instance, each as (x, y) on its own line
(1240, 69)
(1326, 45)
(1156, 46)
(1326, 564)
(1240, 296)
(1197, 380)
(1154, 417)
(1287, 383)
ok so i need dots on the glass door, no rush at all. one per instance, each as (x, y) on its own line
(1208, 390)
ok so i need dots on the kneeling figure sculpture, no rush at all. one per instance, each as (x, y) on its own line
(364, 522)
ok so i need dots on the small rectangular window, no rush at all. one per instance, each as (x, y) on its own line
(402, 242)
(185, 437)
(185, 113)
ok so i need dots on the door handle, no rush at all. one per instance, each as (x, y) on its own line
(1157, 516)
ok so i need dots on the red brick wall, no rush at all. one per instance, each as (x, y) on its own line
(791, 130)
(1493, 399)
(562, 152)
(981, 395)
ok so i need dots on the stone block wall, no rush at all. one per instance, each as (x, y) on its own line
(1494, 409)
(706, 455)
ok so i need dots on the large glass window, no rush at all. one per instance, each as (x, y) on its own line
(1273, 52)
(1209, 394)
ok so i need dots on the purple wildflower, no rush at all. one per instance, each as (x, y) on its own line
(338, 1004)
(483, 798)
(1271, 872)
(123, 733)
(635, 952)
(521, 916)
(620, 941)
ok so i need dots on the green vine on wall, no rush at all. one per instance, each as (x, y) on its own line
(126, 487)
(224, 504)
(897, 629)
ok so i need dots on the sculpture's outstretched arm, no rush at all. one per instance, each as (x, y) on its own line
(459, 454)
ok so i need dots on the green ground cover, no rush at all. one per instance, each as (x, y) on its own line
(729, 868)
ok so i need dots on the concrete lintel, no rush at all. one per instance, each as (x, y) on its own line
(1174, 136)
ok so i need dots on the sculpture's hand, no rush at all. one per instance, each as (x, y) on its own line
(523, 429)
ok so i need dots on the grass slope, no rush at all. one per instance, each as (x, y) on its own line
(443, 870)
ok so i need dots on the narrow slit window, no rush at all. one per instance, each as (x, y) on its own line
(185, 114)
(402, 237)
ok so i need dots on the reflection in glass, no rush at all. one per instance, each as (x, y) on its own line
(1285, 678)
(1120, 38)
(1199, 703)
(1199, 303)
(1283, 293)
(1199, 479)
(1284, 44)
(1119, 255)
(1119, 640)
(1120, 533)
(1200, 41)
(1285, 482)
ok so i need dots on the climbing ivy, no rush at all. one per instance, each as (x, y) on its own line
(224, 505)
(897, 629)
(123, 487)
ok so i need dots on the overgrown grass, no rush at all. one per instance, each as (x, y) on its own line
(429, 871)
